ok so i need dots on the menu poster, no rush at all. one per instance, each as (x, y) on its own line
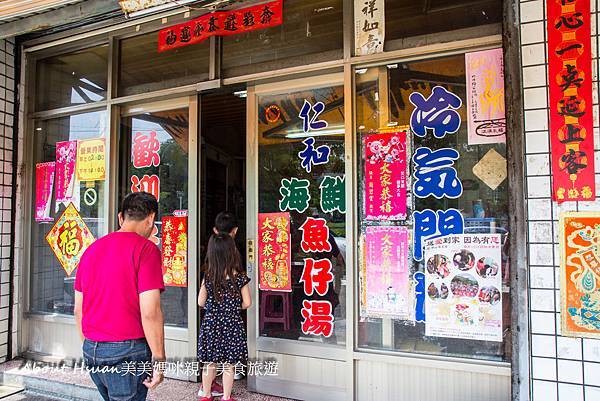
(463, 285)
(386, 273)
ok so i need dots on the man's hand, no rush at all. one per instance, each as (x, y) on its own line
(156, 378)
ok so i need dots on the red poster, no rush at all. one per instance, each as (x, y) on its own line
(174, 251)
(571, 116)
(221, 23)
(274, 258)
(385, 176)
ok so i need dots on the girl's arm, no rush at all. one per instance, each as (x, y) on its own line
(202, 295)
(246, 298)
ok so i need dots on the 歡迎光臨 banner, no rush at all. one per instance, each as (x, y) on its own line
(571, 103)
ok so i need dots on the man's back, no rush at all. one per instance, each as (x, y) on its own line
(112, 273)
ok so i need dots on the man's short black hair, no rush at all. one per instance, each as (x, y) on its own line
(225, 222)
(139, 205)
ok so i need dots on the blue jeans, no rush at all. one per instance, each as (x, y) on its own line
(119, 368)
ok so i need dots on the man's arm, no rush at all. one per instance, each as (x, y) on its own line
(153, 322)
(154, 331)
(78, 312)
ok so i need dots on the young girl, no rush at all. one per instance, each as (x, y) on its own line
(224, 290)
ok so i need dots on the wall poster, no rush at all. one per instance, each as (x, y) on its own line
(44, 185)
(385, 273)
(369, 26)
(91, 160)
(580, 274)
(385, 176)
(69, 238)
(67, 186)
(274, 257)
(463, 283)
(174, 251)
(485, 97)
(571, 103)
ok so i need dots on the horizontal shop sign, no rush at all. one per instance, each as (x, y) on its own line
(221, 23)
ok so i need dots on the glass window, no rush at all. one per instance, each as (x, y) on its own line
(307, 33)
(311, 190)
(55, 176)
(382, 101)
(143, 69)
(71, 79)
(405, 18)
(155, 155)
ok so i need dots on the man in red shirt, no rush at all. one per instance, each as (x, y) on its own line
(117, 305)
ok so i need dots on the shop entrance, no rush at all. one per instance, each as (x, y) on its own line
(222, 185)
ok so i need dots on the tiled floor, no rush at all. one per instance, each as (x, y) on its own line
(169, 390)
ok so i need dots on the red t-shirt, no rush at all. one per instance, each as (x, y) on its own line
(112, 273)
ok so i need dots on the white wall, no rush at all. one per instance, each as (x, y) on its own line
(7, 106)
(562, 368)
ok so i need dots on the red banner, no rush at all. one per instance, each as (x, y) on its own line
(274, 258)
(221, 23)
(571, 116)
(174, 251)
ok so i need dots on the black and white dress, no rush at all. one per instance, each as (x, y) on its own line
(222, 336)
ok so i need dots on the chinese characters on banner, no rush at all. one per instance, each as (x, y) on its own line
(69, 238)
(571, 103)
(580, 274)
(317, 241)
(91, 160)
(369, 26)
(174, 251)
(434, 173)
(44, 185)
(274, 257)
(385, 286)
(67, 187)
(145, 147)
(463, 284)
(221, 23)
(385, 176)
(485, 97)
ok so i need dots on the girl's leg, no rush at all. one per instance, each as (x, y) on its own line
(227, 381)
(208, 375)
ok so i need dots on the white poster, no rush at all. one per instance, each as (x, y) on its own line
(369, 26)
(463, 281)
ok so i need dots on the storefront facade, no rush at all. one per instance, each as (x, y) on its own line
(328, 158)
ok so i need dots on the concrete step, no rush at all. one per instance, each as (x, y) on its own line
(50, 388)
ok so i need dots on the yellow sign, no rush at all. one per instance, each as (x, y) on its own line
(91, 160)
(69, 238)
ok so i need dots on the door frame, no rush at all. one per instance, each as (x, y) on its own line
(174, 335)
(256, 343)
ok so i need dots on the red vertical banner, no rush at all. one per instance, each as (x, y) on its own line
(274, 258)
(571, 105)
(174, 251)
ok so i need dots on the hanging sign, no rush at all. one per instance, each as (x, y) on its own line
(369, 26)
(385, 176)
(385, 274)
(91, 160)
(221, 23)
(274, 258)
(44, 185)
(66, 157)
(69, 238)
(174, 251)
(485, 97)
(571, 102)
(463, 283)
(580, 274)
